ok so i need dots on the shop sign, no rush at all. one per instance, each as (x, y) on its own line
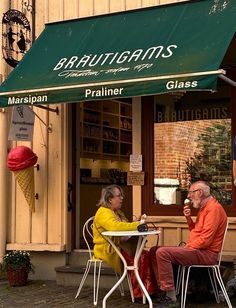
(22, 124)
(16, 36)
(190, 114)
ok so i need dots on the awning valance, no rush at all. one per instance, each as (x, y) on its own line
(134, 53)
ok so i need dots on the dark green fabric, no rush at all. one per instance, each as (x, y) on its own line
(124, 54)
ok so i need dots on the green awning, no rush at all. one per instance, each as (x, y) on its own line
(141, 52)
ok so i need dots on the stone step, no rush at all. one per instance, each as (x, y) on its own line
(71, 276)
(72, 273)
(78, 257)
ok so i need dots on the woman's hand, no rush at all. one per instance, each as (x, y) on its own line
(143, 219)
(136, 218)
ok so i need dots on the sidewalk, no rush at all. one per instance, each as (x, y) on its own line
(49, 294)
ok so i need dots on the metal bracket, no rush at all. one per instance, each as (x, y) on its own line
(228, 80)
(37, 167)
(49, 127)
(49, 109)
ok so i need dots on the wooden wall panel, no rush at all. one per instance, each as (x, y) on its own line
(117, 5)
(48, 225)
(40, 147)
(86, 8)
(170, 237)
(146, 3)
(133, 4)
(101, 7)
(55, 178)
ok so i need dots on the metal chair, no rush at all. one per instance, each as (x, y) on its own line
(179, 274)
(214, 275)
(96, 264)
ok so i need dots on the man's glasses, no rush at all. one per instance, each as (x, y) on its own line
(193, 191)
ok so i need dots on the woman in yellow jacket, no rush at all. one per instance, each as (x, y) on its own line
(109, 217)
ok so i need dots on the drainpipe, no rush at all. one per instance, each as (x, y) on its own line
(4, 6)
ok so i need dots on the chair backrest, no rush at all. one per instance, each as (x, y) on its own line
(88, 235)
(222, 244)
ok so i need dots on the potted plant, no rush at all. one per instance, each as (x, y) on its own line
(17, 264)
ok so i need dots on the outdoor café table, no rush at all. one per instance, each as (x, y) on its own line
(140, 245)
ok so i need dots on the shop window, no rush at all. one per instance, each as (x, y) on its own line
(191, 140)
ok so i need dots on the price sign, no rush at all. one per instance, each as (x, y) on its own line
(135, 178)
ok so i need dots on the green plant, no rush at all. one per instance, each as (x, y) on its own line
(212, 162)
(18, 259)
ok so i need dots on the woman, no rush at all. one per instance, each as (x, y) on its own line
(109, 217)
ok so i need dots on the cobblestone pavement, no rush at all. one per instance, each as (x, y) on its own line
(49, 294)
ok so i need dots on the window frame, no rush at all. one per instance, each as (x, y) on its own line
(148, 206)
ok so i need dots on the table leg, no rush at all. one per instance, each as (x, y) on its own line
(141, 242)
(122, 276)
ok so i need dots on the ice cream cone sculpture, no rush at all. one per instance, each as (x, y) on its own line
(21, 161)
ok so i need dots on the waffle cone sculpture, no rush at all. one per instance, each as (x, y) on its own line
(25, 179)
(21, 161)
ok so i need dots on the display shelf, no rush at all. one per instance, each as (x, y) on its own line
(106, 129)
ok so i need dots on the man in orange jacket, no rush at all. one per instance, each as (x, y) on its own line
(203, 245)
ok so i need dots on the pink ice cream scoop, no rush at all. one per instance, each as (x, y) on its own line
(21, 157)
(21, 161)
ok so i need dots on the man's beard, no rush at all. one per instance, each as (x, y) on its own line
(196, 204)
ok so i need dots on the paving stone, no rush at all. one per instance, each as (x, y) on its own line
(42, 294)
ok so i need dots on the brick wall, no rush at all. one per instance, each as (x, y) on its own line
(175, 142)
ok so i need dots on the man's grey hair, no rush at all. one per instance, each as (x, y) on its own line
(204, 186)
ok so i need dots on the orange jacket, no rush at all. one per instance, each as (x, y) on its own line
(208, 230)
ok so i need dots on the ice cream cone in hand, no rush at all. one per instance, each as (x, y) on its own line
(187, 203)
(21, 161)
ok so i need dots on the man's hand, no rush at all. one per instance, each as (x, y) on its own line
(187, 212)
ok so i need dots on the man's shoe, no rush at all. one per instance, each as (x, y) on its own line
(167, 302)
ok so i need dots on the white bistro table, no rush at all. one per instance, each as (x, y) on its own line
(142, 238)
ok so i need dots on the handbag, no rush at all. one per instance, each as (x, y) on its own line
(144, 227)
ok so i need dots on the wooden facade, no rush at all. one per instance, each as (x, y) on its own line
(49, 228)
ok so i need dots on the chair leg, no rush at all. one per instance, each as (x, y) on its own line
(184, 286)
(88, 265)
(222, 286)
(214, 284)
(96, 281)
(178, 280)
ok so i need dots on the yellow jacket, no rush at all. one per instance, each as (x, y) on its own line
(105, 220)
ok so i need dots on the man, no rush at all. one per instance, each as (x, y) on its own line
(204, 243)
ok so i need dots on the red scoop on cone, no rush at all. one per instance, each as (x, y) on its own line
(21, 161)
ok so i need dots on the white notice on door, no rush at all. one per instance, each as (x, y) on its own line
(135, 162)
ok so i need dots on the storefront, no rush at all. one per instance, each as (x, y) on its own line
(115, 87)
